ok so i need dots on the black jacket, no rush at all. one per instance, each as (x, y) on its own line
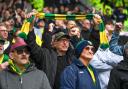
(119, 76)
(46, 59)
(32, 78)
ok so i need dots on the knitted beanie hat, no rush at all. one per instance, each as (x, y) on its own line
(80, 46)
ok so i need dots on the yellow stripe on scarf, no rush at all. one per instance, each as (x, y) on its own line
(25, 27)
(1, 59)
(38, 40)
(60, 17)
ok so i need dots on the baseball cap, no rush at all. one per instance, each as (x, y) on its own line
(59, 35)
(19, 44)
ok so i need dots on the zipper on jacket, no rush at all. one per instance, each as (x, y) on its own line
(21, 81)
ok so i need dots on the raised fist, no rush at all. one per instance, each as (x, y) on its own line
(97, 19)
(118, 26)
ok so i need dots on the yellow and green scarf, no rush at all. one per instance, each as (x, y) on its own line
(16, 69)
(4, 58)
(25, 27)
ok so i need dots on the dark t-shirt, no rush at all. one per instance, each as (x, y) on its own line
(61, 64)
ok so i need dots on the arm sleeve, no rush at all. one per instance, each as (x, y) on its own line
(37, 53)
(114, 47)
(99, 61)
(112, 58)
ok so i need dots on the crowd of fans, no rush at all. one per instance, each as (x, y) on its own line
(52, 45)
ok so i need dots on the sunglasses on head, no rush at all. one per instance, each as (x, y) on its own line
(21, 51)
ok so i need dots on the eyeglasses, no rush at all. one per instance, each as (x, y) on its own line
(90, 48)
(1, 43)
(4, 30)
(21, 51)
(63, 40)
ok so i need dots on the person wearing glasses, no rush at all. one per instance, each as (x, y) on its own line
(21, 73)
(3, 57)
(4, 34)
(80, 74)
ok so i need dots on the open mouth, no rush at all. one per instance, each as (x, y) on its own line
(1, 49)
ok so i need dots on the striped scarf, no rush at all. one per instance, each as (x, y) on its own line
(15, 68)
(25, 27)
(4, 58)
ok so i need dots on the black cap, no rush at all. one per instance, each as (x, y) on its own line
(59, 35)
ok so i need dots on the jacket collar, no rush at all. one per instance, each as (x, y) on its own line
(78, 63)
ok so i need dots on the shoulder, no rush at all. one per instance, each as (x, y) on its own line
(70, 70)
(40, 72)
(69, 75)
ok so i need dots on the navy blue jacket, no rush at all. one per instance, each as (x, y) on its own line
(77, 76)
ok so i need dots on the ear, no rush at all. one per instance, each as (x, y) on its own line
(11, 55)
(53, 43)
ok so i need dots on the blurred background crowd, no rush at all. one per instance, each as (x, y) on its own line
(52, 46)
(13, 11)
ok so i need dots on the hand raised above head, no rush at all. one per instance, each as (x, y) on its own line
(51, 26)
(97, 19)
(118, 26)
(31, 13)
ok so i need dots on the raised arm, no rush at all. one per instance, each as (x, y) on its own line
(114, 46)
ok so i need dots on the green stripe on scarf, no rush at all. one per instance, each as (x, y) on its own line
(49, 16)
(101, 26)
(89, 16)
(30, 19)
(4, 58)
(70, 17)
(104, 46)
